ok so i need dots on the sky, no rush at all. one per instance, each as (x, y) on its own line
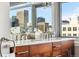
(68, 10)
(44, 12)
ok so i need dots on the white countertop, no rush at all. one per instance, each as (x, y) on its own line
(32, 42)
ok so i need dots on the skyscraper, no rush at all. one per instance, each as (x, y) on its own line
(42, 26)
(40, 19)
(22, 16)
(14, 21)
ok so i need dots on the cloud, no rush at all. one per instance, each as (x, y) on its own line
(74, 14)
(76, 11)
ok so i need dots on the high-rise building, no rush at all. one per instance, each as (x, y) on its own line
(42, 26)
(14, 21)
(40, 19)
(22, 17)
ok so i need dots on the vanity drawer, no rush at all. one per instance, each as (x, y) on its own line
(22, 48)
(22, 54)
(22, 51)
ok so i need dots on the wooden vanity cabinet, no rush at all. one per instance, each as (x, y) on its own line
(22, 51)
(41, 50)
(52, 49)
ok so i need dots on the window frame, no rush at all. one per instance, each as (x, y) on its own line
(64, 28)
(74, 28)
(69, 28)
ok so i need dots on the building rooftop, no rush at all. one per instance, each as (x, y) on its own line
(65, 22)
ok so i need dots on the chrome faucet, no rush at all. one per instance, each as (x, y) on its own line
(5, 39)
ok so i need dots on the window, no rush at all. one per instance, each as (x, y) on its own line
(74, 28)
(28, 18)
(64, 28)
(74, 34)
(69, 35)
(69, 28)
(70, 19)
(64, 34)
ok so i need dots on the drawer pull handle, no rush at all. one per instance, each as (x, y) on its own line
(22, 52)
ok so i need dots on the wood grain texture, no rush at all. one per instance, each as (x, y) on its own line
(55, 49)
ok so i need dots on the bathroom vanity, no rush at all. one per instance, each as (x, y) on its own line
(45, 48)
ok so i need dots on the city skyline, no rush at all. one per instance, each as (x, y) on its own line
(41, 12)
(69, 9)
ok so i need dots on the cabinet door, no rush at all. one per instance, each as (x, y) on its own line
(46, 49)
(41, 50)
(67, 49)
(56, 47)
(22, 51)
